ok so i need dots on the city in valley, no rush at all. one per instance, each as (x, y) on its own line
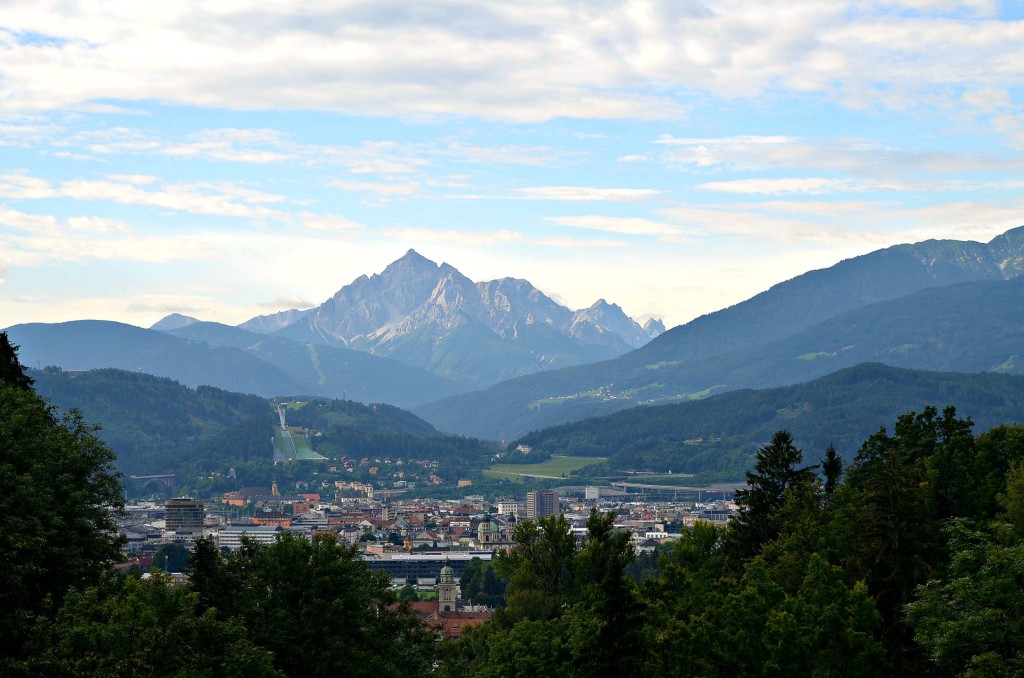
(412, 540)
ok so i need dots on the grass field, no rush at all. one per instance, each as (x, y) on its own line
(555, 467)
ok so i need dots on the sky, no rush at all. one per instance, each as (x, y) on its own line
(229, 159)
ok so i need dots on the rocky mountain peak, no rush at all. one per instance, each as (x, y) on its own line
(432, 316)
(653, 327)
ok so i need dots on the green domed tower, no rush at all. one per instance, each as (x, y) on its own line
(447, 589)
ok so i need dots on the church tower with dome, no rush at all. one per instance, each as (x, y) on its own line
(447, 589)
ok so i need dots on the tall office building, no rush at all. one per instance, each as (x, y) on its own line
(542, 503)
(183, 514)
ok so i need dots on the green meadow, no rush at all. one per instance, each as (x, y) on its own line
(555, 467)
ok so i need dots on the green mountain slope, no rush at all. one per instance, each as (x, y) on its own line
(150, 422)
(721, 434)
(156, 425)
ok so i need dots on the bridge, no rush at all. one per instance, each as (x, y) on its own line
(162, 482)
(721, 489)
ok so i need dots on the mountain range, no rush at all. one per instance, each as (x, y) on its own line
(862, 309)
(433, 317)
(936, 305)
(199, 353)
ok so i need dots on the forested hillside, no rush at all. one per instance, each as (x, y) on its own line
(721, 434)
(156, 425)
(152, 423)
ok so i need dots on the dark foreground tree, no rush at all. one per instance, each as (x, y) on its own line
(832, 468)
(135, 627)
(971, 620)
(570, 611)
(11, 370)
(776, 470)
(59, 496)
(315, 606)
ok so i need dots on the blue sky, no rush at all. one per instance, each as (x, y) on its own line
(230, 159)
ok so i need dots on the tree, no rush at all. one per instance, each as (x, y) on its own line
(971, 621)
(11, 370)
(315, 605)
(832, 468)
(613, 609)
(570, 610)
(539, 570)
(143, 627)
(775, 471)
(471, 581)
(897, 492)
(408, 594)
(171, 558)
(59, 497)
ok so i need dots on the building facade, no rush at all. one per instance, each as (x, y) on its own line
(540, 503)
(184, 514)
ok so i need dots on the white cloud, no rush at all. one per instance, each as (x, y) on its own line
(528, 61)
(213, 198)
(33, 223)
(454, 236)
(844, 223)
(98, 225)
(577, 243)
(623, 225)
(21, 186)
(43, 238)
(863, 156)
(530, 156)
(380, 190)
(144, 179)
(328, 222)
(36, 249)
(805, 185)
(587, 193)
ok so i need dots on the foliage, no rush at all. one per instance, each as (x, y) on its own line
(12, 372)
(570, 610)
(156, 425)
(144, 628)
(480, 585)
(775, 473)
(832, 469)
(59, 496)
(971, 620)
(172, 558)
(314, 605)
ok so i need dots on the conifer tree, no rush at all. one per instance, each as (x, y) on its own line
(776, 470)
(11, 370)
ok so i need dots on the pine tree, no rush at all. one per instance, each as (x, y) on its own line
(832, 467)
(775, 471)
(11, 370)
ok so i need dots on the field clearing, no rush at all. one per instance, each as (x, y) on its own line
(555, 467)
